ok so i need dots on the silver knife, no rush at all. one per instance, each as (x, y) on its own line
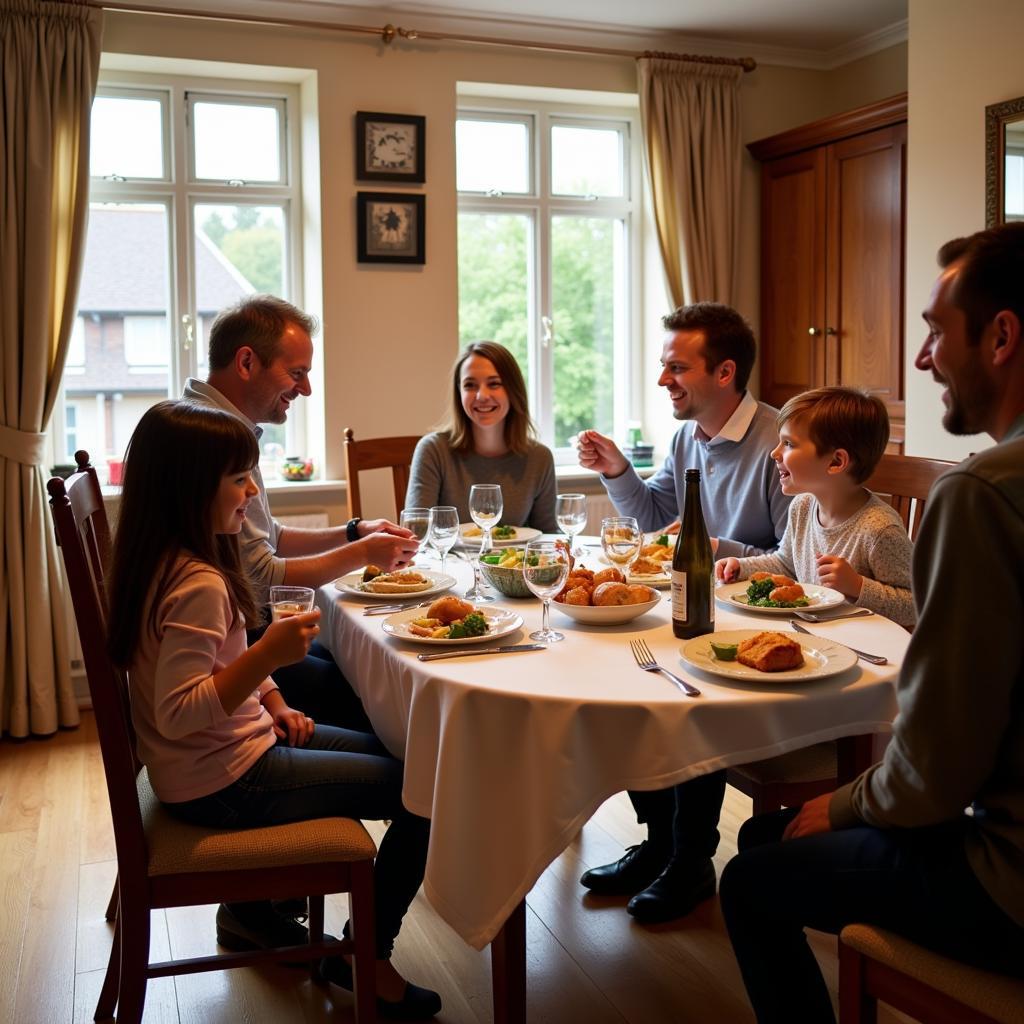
(874, 659)
(388, 609)
(511, 649)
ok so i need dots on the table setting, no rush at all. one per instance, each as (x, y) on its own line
(510, 755)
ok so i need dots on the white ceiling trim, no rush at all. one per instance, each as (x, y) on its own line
(548, 30)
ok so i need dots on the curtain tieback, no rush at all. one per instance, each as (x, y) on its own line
(23, 446)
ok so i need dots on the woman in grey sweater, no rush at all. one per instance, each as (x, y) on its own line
(488, 439)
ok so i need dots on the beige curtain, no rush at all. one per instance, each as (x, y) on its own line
(48, 66)
(690, 114)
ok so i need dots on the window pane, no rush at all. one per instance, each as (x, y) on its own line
(127, 138)
(586, 161)
(493, 283)
(237, 141)
(1014, 187)
(588, 303)
(124, 308)
(492, 156)
(239, 250)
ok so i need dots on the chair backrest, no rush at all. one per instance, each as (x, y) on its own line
(83, 536)
(905, 481)
(394, 453)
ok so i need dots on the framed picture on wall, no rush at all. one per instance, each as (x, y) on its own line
(391, 147)
(391, 227)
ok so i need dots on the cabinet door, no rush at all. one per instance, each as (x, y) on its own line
(864, 313)
(792, 275)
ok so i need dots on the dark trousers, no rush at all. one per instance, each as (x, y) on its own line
(340, 773)
(915, 882)
(316, 687)
(683, 819)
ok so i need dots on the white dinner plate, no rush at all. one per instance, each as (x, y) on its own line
(523, 535)
(659, 580)
(501, 623)
(353, 584)
(821, 658)
(734, 595)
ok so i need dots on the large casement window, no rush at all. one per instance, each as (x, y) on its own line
(194, 203)
(548, 250)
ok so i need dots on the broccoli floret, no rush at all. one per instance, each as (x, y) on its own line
(473, 624)
(503, 532)
(663, 540)
(759, 590)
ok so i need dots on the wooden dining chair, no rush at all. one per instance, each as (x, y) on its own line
(162, 862)
(394, 453)
(875, 964)
(905, 482)
(790, 779)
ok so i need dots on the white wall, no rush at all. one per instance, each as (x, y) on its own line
(390, 332)
(963, 56)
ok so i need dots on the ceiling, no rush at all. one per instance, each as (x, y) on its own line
(820, 33)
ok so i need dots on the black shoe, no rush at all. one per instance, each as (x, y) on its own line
(675, 892)
(297, 909)
(629, 874)
(416, 1003)
(245, 926)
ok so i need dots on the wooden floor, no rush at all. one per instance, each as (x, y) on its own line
(586, 961)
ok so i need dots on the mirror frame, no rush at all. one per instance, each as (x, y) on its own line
(997, 116)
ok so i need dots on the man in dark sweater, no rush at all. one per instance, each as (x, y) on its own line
(928, 843)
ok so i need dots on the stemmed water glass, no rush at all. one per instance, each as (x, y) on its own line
(545, 568)
(485, 508)
(443, 530)
(571, 516)
(621, 539)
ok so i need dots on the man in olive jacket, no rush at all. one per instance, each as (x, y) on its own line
(928, 843)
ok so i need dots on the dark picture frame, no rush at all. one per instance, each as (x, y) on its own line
(391, 227)
(391, 147)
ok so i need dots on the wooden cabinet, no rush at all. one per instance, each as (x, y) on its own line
(832, 245)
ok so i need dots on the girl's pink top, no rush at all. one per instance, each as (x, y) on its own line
(189, 744)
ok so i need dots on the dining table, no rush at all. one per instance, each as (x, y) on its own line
(510, 755)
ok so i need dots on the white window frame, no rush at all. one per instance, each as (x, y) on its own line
(540, 206)
(180, 193)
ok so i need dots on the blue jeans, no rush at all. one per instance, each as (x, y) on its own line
(316, 687)
(915, 882)
(343, 773)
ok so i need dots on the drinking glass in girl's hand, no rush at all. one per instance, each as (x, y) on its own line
(288, 601)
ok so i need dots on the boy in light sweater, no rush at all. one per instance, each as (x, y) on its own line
(839, 534)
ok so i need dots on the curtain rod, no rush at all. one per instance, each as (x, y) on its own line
(390, 32)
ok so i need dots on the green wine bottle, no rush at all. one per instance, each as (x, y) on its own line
(693, 591)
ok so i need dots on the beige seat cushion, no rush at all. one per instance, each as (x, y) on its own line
(178, 848)
(807, 765)
(996, 995)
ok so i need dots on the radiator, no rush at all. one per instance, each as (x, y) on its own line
(599, 506)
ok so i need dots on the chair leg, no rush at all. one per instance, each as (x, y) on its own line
(111, 913)
(856, 1004)
(107, 1001)
(131, 997)
(315, 924)
(364, 941)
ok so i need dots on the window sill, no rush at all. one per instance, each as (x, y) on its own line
(577, 474)
(274, 487)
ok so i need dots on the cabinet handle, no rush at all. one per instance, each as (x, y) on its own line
(831, 331)
(814, 331)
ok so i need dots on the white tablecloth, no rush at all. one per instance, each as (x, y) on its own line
(509, 755)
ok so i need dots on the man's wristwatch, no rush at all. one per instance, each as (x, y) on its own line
(352, 529)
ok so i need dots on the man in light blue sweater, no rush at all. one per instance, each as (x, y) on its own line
(706, 361)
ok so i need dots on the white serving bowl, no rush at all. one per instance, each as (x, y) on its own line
(605, 615)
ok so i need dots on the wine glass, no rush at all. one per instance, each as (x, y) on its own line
(571, 516)
(545, 568)
(417, 521)
(485, 508)
(621, 539)
(443, 530)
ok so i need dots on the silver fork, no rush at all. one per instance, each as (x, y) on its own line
(646, 661)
